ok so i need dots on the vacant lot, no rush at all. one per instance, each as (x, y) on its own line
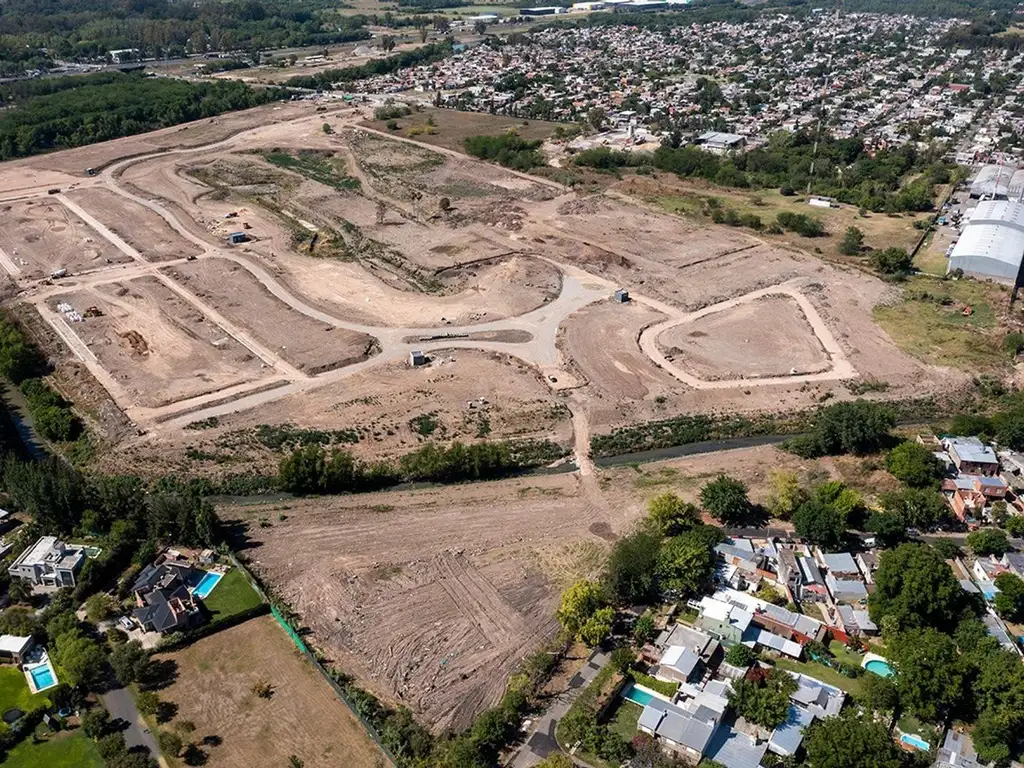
(949, 323)
(138, 226)
(602, 341)
(41, 236)
(303, 717)
(157, 345)
(304, 342)
(766, 337)
(451, 128)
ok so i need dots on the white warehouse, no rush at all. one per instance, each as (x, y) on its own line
(992, 243)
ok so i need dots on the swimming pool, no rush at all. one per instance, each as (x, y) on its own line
(915, 741)
(879, 666)
(42, 677)
(637, 695)
(206, 585)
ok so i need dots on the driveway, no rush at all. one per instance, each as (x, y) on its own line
(541, 741)
(121, 706)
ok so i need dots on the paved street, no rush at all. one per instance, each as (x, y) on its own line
(121, 705)
(541, 742)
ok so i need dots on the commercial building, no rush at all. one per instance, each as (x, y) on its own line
(992, 181)
(720, 143)
(992, 243)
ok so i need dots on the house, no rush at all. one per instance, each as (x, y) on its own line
(774, 618)
(994, 627)
(49, 562)
(853, 621)
(678, 664)
(1014, 562)
(726, 621)
(707, 648)
(681, 731)
(971, 456)
(789, 571)
(868, 564)
(787, 738)
(812, 699)
(813, 588)
(162, 595)
(846, 590)
(14, 648)
(839, 564)
(957, 751)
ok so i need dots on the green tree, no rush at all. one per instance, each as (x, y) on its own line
(597, 627)
(879, 693)
(889, 529)
(852, 242)
(915, 588)
(170, 742)
(129, 662)
(922, 508)
(725, 498)
(929, 673)
(764, 700)
(147, 702)
(81, 659)
(579, 602)
(1014, 526)
(556, 760)
(644, 630)
(686, 563)
(96, 722)
(741, 656)
(859, 427)
(670, 515)
(914, 464)
(631, 574)
(850, 740)
(100, 607)
(994, 737)
(820, 523)
(895, 262)
(1009, 601)
(785, 494)
(988, 541)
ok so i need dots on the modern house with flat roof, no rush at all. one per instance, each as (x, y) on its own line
(13, 648)
(971, 456)
(49, 562)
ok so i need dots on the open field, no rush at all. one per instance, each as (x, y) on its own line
(158, 346)
(41, 236)
(310, 346)
(451, 128)
(139, 227)
(66, 749)
(767, 337)
(303, 717)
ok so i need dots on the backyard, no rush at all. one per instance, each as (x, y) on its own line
(232, 595)
(65, 749)
(852, 686)
(14, 691)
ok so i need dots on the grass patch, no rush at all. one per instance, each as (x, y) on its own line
(318, 166)
(852, 686)
(845, 655)
(14, 692)
(232, 595)
(623, 721)
(930, 325)
(663, 687)
(67, 749)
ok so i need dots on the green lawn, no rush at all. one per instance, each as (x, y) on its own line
(14, 691)
(623, 722)
(845, 655)
(67, 749)
(232, 595)
(825, 674)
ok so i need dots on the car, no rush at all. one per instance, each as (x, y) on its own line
(126, 623)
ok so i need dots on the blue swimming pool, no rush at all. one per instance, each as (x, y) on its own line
(637, 695)
(206, 585)
(879, 667)
(42, 677)
(915, 741)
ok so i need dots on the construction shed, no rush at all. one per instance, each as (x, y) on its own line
(992, 242)
(237, 237)
(621, 296)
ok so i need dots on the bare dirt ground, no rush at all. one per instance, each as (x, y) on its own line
(380, 405)
(437, 615)
(158, 346)
(303, 717)
(601, 341)
(767, 337)
(310, 346)
(450, 129)
(41, 236)
(139, 227)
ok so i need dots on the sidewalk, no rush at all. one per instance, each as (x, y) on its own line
(541, 741)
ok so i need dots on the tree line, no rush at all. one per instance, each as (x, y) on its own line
(75, 111)
(325, 80)
(316, 469)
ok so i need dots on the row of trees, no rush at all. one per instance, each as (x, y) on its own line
(510, 150)
(84, 110)
(325, 80)
(843, 170)
(316, 469)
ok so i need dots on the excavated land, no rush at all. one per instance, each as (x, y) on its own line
(766, 337)
(158, 346)
(138, 226)
(309, 345)
(40, 236)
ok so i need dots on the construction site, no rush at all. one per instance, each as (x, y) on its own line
(294, 268)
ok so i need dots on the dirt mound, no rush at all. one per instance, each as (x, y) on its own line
(136, 342)
(580, 207)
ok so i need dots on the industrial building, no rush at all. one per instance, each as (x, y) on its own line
(992, 242)
(550, 10)
(720, 143)
(992, 182)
